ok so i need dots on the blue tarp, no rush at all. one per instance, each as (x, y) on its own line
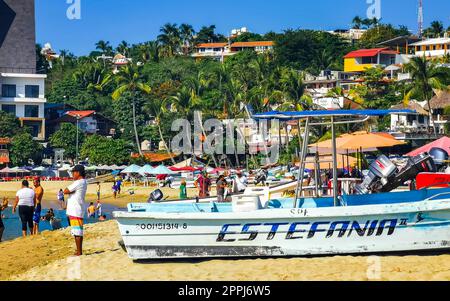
(328, 113)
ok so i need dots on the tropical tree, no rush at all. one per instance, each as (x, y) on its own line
(170, 39)
(187, 33)
(24, 149)
(66, 138)
(128, 79)
(357, 22)
(123, 48)
(435, 30)
(426, 77)
(104, 46)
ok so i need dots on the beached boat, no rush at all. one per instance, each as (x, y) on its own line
(256, 224)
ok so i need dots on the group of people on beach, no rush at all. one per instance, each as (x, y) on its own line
(223, 187)
(28, 204)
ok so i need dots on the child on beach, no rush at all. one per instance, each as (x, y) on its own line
(91, 211)
(98, 208)
(60, 197)
(3, 206)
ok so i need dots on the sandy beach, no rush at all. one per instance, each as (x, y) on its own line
(51, 189)
(104, 259)
(48, 257)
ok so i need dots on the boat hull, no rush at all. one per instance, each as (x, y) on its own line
(288, 232)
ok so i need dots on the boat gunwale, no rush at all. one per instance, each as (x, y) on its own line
(297, 213)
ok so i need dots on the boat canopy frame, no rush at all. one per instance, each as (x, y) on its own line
(329, 118)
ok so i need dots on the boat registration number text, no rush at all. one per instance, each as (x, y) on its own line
(162, 226)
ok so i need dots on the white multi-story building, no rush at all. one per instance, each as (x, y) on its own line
(432, 47)
(23, 96)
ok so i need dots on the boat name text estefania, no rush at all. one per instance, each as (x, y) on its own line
(309, 230)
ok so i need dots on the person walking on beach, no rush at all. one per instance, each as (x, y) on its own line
(114, 190)
(119, 186)
(60, 197)
(203, 184)
(183, 190)
(26, 201)
(75, 203)
(3, 206)
(39, 194)
(99, 188)
(221, 186)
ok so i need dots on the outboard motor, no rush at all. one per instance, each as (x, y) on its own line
(415, 166)
(381, 170)
(384, 176)
(440, 158)
(155, 196)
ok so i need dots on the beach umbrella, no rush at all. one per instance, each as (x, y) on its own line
(131, 169)
(7, 170)
(145, 170)
(91, 168)
(326, 162)
(122, 167)
(162, 170)
(353, 143)
(39, 169)
(113, 167)
(20, 170)
(104, 167)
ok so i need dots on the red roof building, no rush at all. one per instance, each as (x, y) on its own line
(360, 60)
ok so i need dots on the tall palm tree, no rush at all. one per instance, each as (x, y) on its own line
(435, 30)
(187, 33)
(104, 46)
(357, 22)
(170, 38)
(426, 77)
(129, 79)
(123, 48)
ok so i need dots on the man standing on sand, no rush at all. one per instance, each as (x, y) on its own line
(39, 194)
(75, 203)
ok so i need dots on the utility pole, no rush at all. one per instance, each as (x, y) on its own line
(77, 146)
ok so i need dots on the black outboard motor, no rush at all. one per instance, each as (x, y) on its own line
(384, 176)
(440, 158)
(416, 165)
(155, 196)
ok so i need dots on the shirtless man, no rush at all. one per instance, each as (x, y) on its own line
(39, 194)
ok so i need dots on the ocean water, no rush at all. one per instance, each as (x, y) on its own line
(13, 225)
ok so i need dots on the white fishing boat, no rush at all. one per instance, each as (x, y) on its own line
(257, 224)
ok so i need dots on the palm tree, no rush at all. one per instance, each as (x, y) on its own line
(123, 48)
(435, 30)
(170, 38)
(426, 77)
(187, 33)
(128, 79)
(357, 22)
(104, 46)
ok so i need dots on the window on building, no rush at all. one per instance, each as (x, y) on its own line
(8, 90)
(369, 60)
(32, 91)
(32, 111)
(11, 109)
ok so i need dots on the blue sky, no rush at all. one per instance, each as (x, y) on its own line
(140, 20)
